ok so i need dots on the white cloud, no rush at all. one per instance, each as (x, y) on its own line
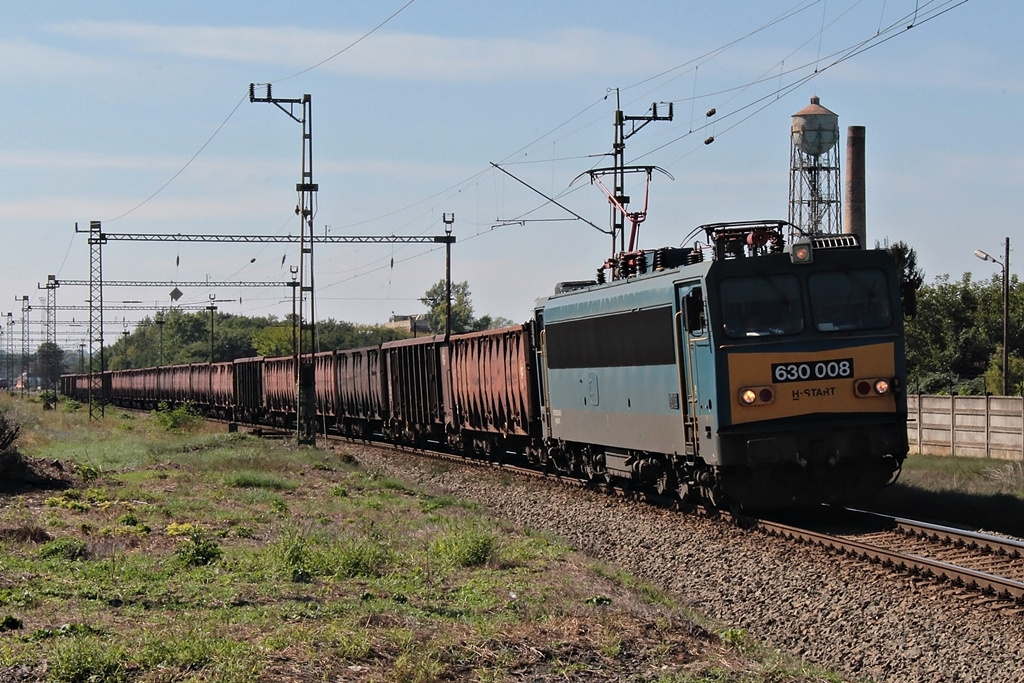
(552, 57)
(25, 62)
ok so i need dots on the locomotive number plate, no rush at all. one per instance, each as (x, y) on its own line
(815, 370)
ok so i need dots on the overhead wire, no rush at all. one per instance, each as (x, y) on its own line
(518, 156)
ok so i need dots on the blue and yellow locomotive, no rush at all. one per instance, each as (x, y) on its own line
(764, 376)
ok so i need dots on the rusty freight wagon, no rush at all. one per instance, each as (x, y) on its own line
(494, 405)
(418, 387)
(362, 391)
(279, 390)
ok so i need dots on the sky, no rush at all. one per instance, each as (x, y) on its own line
(137, 115)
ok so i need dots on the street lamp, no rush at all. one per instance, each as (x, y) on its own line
(125, 333)
(449, 221)
(1005, 265)
(159, 320)
(212, 309)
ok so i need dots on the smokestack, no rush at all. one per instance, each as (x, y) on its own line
(855, 219)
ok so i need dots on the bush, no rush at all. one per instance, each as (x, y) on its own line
(64, 548)
(199, 551)
(48, 398)
(179, 418)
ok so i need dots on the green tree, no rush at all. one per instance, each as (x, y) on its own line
(956, 337)
(274, 340)
(462, 308)
(911, 277)
(49, 363)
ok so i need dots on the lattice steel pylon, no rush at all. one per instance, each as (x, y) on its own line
(10, 351)
(305, 372)
(97, 401)
(26, 342)
(51, 312)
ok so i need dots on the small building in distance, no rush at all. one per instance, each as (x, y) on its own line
(416, 324)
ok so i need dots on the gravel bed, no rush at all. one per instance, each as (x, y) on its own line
(822, 608)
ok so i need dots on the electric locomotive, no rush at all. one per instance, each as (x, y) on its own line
(765, 376)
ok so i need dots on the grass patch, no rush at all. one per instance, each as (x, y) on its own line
(253, 479)
(974, 493)
(186, 554)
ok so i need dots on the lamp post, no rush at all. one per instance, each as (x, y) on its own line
(449, 221)
(212, 309)
(294, 284)
(1005, 265)
(159, 320)
(125, 333)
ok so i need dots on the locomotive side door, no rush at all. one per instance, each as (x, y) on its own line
(696, 366)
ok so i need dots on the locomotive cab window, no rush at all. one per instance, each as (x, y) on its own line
(761, 305)
(850, 299)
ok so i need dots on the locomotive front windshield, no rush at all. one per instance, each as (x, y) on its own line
(772, 304)
(762, 305)
(850, 299)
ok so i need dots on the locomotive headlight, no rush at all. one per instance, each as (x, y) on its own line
(750, 396)
(879, 386)
(801, 252)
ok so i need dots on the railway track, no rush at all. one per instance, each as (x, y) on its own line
(978, 563)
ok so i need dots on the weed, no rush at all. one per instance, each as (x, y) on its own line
(361, 558)
(63, 548)
(464, 547)
(80, 659)
(251, 479)
(180, 418)
(198, 550)
(87, 472)
(71, 405)
(183, 529)
(734, 637)
(244, 531)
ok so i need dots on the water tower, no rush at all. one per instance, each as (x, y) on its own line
(814, 184)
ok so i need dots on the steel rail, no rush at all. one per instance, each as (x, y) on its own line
(996, 545)
(1001, 586)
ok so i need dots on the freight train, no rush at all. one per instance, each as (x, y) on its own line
(741, 371)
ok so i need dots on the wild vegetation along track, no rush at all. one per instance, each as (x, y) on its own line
(988, 564)
(982, 563)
